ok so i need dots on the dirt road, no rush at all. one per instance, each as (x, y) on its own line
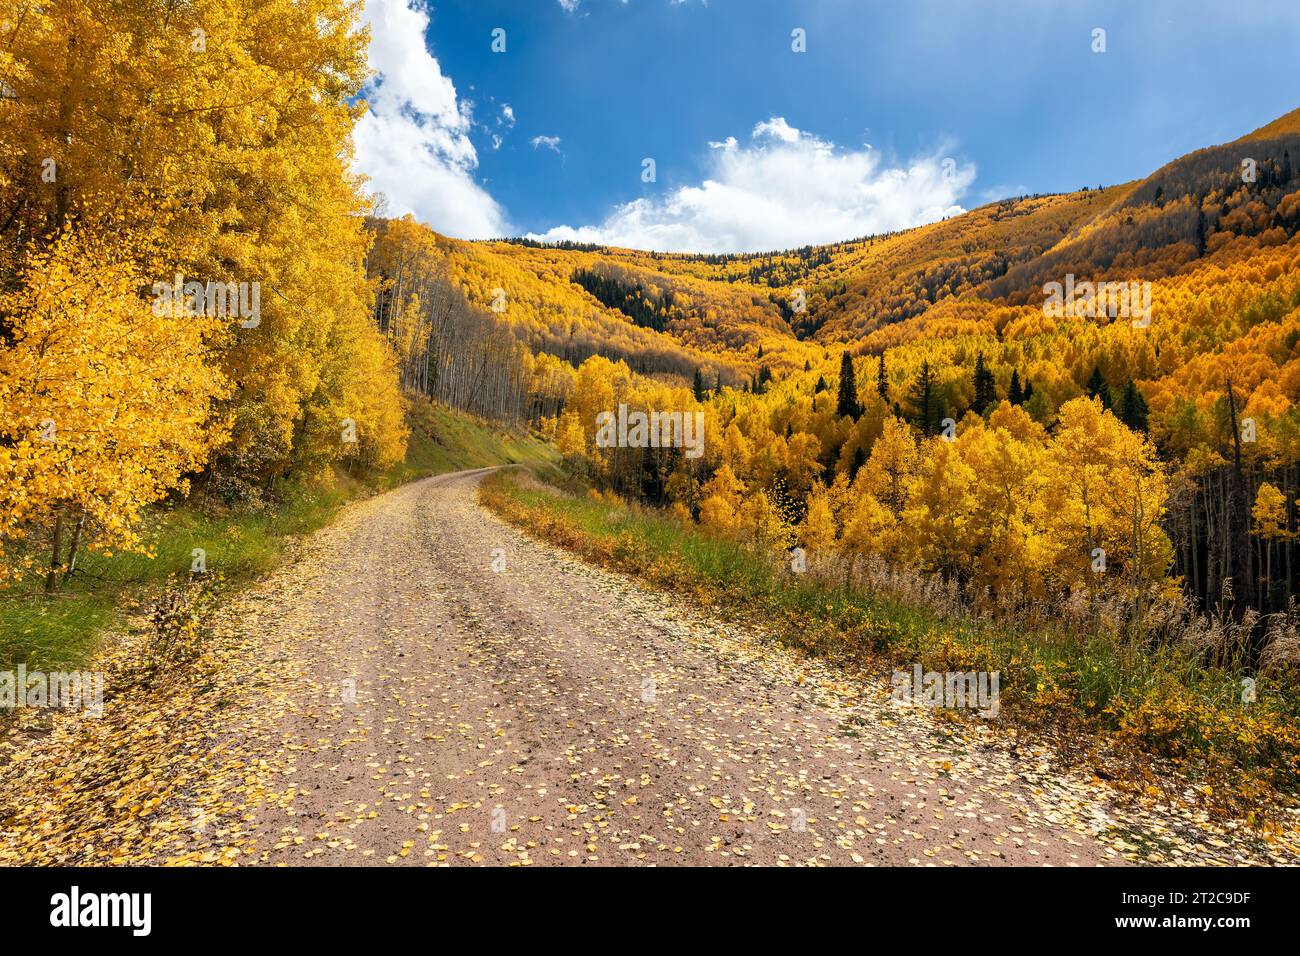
(513, 705)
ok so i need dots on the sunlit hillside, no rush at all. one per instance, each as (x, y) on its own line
(947, 320)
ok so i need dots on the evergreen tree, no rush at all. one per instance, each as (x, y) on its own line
(1097, 387)
(927, 404)
(633, 299)
(1015, 395)
(650, 475)
(699, 386)
(1029, 389)
(847, 403)
(986, 389)
(1133, 409)
(820, 386)
(882, 380)
(859, 459)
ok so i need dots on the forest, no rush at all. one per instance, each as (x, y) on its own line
(901, 400)
(125, 160)
(1199, 520)
(925, 413)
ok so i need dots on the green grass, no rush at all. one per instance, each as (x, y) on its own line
(442, 440)
(60, 632)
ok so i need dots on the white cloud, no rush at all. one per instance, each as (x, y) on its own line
(414, 142)
(776, 128)
(549, 142)
(786, 188)
(569, 5)
(505, 121)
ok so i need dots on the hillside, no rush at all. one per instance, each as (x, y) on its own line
(943, 321)
(958, 286)
(723, 305)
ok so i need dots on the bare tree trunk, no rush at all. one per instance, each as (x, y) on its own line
(52, 578)
(1268, 573)
(76, 543)
(1290, 500)
(1195, 545)
(1237, 512)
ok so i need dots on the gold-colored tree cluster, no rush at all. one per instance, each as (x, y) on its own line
(209, 141)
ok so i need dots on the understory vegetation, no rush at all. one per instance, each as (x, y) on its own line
(1109, 700)
(240, 540)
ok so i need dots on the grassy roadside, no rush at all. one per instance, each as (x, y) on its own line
(60, 632)
(1134, 718)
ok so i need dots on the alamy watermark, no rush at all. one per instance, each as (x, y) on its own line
(651, 430)
(1090, 300)
(130, 910)
(960, 690)
(242, 300)
(68, 690)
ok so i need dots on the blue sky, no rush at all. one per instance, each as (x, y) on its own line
(1009, 90)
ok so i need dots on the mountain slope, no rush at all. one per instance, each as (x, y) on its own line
(720, 308)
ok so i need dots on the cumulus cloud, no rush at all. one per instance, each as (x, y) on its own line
(547, 142)
(784, 188)
(414, 141)
(776, 128)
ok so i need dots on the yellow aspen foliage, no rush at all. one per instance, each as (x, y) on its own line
(941, 505)
(105, 400)
(840, 497)
(763, 522)
(358, 384)
(818, 532)
(735, 447)
(571, 439)
(1001, 533)
(892, 463)
(721, 502)
(1268, 514)
(768, 460)
(1017, 423)
(800, 462)
(870, 529)
(226, 125)
(1103, 488)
